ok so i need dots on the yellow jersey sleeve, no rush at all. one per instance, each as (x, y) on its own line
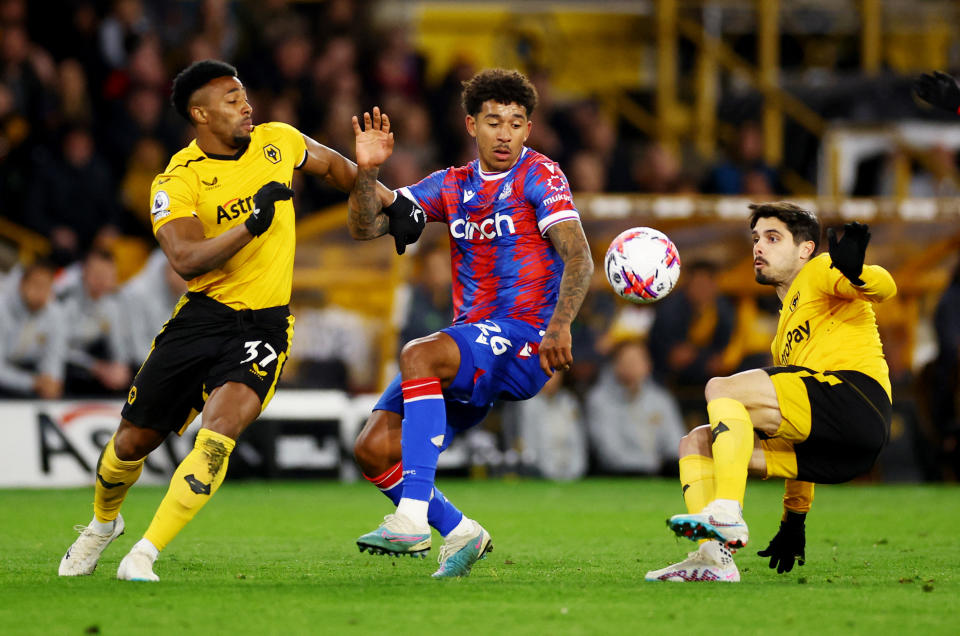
(878, 285)
(172, 196)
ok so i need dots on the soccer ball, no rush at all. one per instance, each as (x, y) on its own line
(642, 265)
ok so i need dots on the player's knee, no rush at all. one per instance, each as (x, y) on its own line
(416, 358)
(129, 446)
(697, 442)
(435, 355)
(718, 388)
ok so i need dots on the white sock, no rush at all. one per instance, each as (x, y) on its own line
(414, 510)
(465, 526)
(729, 506)
(103, 527)
(144, 545)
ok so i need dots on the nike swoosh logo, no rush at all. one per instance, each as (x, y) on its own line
(107, 484)
(720, 524)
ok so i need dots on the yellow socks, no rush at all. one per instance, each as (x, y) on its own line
(797, 496)
(194, 482)
(696, 477)
(114, 478)
(732, 447)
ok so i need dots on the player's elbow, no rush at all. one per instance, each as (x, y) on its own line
(182, 263)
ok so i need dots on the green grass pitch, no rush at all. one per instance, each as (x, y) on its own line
(280, 558)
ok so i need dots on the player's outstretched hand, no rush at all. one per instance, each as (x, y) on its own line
(788, 544)
(938, 89)
(261, 217)
(374, 140)
(406, 222)
(556, 350)
(847, 254)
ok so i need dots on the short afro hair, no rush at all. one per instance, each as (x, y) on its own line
(193, 78)
(502, 86)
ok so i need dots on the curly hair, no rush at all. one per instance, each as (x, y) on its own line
(803, 224)
(502, 86)
(192, 79)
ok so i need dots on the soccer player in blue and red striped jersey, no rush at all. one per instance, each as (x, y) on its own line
(521, 267)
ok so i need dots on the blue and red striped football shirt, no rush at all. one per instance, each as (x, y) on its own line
(503, 264)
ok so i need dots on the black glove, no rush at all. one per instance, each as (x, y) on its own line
(406, 222)
(261, 217)
(938, 90)
(788, 544)
(848, 253)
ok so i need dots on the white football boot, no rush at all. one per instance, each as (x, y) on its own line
(82, 557)
(711, 562)
(461, 550)
(137, 566)
(716, 521)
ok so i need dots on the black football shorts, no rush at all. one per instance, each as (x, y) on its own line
(835, 423)
(204, 345)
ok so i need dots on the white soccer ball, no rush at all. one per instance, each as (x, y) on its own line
(642, 265)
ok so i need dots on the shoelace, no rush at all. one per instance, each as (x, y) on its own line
(88, 547)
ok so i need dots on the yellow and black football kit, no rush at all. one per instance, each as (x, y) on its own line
(832, 381)
(233, 324)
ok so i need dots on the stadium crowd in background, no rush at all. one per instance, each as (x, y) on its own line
(85, 125)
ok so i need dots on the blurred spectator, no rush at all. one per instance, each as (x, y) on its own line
(743, 171)
(938, 177)
(218, 27)
(146, 162)
(430, 307)
(74, 94)
(634, 424)
(33, 330)
(657, 170)
(120, 29)
(397, 67)
(72, 196)
(550, 431)
(691, 330)
(98, 356)
(587, 172)
(28, 72)
(149, 299)
(142, 114)
(945, 385)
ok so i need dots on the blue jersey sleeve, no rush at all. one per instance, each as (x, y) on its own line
(427, 195)
(548, 192)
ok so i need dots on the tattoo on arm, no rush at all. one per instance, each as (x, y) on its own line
(363, 218)
(569, 241)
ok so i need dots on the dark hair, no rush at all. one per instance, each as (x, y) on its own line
(500, 85)
(803, 224)
(193, 78)
(39, 264)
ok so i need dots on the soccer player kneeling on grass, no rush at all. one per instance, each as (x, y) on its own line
(822, 415)
(223, 216)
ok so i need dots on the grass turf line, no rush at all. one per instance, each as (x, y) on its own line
(569, 558)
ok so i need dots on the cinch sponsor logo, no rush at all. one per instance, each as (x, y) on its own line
(488, 228)
(795, 336)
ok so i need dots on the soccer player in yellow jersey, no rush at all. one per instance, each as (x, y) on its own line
(821, 415)
(222, 213)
